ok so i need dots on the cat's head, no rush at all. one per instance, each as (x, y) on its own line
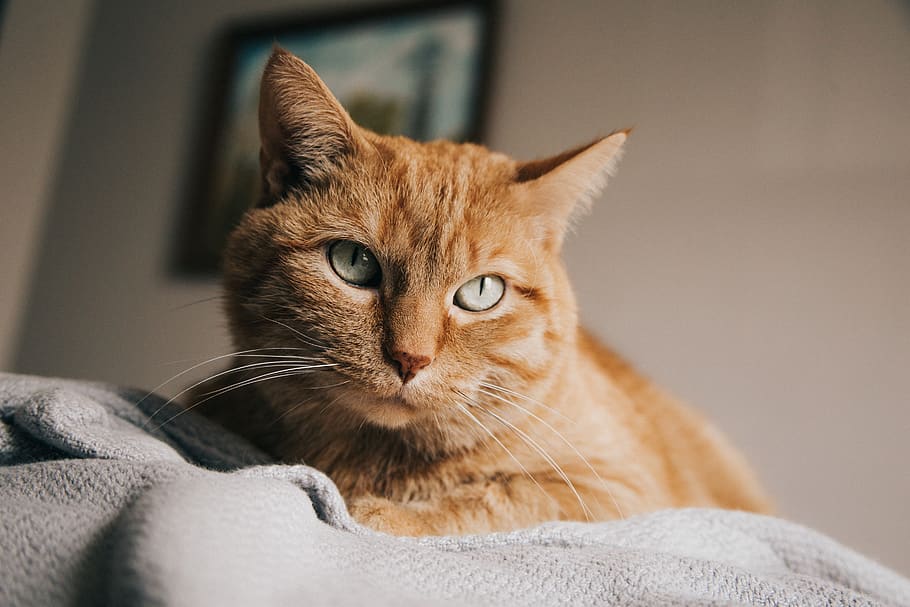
(424, 273)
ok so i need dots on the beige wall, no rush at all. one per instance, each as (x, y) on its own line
(40, 47)
(752, 254)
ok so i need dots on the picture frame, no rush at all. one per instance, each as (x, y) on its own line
(416, 69)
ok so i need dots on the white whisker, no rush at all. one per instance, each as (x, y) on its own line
(207, 379)
(259, 378)
(284, 356)
(195, 303)
(290, 370)
(568, 443)
(527, 398)
(540, 450)
(504, 448)
(207, 361)
(288, 365)
(325, 387)
(304, 338)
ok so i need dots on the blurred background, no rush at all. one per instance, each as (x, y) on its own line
(752, 254)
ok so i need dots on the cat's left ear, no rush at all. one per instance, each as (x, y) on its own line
(563, 186)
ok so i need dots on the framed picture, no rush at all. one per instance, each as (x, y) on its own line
(419, 70)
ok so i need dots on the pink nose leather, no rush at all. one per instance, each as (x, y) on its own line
(409, 364)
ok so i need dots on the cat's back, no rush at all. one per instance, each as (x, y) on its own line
(700, 467)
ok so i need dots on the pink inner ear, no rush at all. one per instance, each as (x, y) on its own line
(528, 171)
(558, 189)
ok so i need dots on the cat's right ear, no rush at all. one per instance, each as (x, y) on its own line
(304, 131)
(559, 188)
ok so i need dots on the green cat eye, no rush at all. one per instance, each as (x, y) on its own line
(480, 293)
(354, 263)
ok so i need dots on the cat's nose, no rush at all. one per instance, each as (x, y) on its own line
(409, 364)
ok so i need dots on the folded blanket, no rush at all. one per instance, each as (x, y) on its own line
(99, 507)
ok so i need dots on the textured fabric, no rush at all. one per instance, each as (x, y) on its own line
(95, 508)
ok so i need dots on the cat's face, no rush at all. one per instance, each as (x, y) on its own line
(424, 274)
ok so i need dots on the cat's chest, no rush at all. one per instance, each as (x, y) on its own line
(400, 480)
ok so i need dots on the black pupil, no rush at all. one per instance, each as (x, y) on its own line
(355, 263)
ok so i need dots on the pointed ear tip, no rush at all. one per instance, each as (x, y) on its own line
(620, 135)
(285, 63)
(277, 57)
(278, 53)
(282, 56)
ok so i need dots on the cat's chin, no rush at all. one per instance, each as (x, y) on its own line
(387, 412)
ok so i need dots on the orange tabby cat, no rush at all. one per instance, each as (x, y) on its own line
(409, 329)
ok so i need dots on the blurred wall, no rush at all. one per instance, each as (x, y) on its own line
(752, 254)
(40, 48)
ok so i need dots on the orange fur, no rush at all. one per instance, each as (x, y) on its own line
(519, 416)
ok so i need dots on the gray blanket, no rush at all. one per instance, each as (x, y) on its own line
(95, 509)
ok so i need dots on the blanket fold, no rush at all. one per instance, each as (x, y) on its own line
(101, 505)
